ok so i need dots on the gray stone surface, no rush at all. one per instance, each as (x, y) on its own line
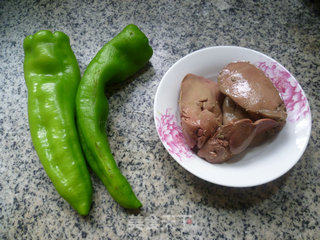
(177, 205)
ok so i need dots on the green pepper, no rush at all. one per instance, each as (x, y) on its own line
(52, 76)
(116, 61)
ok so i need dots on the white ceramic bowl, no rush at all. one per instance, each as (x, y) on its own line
(257, 165)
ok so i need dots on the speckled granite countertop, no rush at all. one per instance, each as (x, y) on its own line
(177, 205)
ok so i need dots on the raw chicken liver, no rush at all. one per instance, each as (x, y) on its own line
(199, 109)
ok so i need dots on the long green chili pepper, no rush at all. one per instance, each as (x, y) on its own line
(116, 61)
(52, 76)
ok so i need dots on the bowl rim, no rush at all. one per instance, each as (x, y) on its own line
(259, 182)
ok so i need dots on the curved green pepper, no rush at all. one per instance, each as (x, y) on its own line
(116, 61)
(52, 76)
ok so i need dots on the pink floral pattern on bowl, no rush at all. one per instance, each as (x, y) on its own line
(289, 89)
(170, 133)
